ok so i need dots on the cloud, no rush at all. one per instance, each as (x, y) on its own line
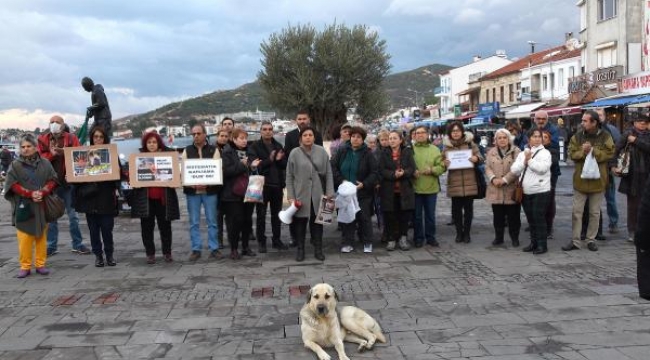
(149, 53)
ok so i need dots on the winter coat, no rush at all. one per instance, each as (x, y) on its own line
(258, 150)
(43, 174)
(427, 158)
(304, 182)
(65, 139)
(140, 204)
(497, 167)
(537, 178)
(634, 183)
(462, 182)
(642, 233)
(232, 169)
(96, 198)
(387, 169)
(367, 169)
(603, 150)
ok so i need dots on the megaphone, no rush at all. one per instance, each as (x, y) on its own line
(286, 216)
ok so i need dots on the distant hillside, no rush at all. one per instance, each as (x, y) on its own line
(249, 97)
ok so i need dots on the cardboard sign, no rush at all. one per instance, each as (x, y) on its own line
(155, 169)
(202, 172)
(91, 163)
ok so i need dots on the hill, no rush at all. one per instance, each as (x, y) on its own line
(400, 87)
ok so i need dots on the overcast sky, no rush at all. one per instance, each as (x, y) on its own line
(148, 53)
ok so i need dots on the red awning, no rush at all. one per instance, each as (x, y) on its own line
(466, 117)
(564, 111)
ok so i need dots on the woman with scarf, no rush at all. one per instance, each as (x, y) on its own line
(29, 180)
(636, 141)
(155, 204)
(461, 183)
(501, 187)
(533, 167)
(99, 202)
(308, 178)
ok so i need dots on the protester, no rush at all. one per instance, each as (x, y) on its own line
(238, 214)
(426, 184)
(309, 177)
(98, 201)
(461, 183)
(642, 243)
(397, 167)
(155, 204)
(520, 138)
(272, 165)
(223, 137)
(382, 139)
(636, 141)
(533, 166)
(501, 187)
(6, 156)
(555, 173)
(354, 162)
(610, 191)
(206, 195)
(50, 147)
(29, 180)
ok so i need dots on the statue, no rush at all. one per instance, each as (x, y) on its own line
(100, 110)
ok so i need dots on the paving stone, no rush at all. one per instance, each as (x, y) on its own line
(74, 340)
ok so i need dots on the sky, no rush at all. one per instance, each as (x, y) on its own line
(149, 53)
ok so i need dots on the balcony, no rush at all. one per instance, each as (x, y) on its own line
(442, 91)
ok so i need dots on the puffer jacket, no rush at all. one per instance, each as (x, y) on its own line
(140, 204)
(367, 169)
(497, 167)
(387, 169)
(462, 182)
(603, 150)
(232, 169)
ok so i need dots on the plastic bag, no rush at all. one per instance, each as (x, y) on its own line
(255, 189)
(590, 170)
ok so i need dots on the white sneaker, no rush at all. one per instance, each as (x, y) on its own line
(367, 248)
(346, 249)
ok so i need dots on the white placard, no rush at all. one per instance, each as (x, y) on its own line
(459, 159)
(202, 172)
(325, 214)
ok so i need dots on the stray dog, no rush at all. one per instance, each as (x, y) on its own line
(320, 326)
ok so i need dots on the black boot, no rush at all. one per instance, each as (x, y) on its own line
(99, 260)
(261, 247)
(498, 236)
(459, 234)
(278, 244)
(318, 249)
(300, 250)
(514, 236)
(467, 226)
(110, 260)
(466, 238)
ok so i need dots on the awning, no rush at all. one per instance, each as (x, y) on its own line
(469, 91)
(618, 101)
(563, 111)
(523, 111)
(465, 117)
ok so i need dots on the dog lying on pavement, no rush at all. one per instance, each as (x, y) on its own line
(321, 326)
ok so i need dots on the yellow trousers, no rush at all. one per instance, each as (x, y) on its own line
(26, 248)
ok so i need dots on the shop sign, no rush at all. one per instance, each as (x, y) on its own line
(638, 83)
(607, 75)
(579, 84)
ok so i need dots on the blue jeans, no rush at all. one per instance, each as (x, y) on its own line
(610, 198)
(65, 193)
(425, 228)
(194, 209)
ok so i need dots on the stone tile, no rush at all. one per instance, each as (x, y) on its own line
(73, 340)
(487, 320)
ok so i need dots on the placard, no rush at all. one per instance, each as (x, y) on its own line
(91, 163)
(202, 172)
(154, 169)
(459, 159)
(325, 214)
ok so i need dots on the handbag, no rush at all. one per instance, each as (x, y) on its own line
(623, 161)
(255, 189)
(590, 170)
(240, 185)
(23, 210)
(480, 183)
(54, 207)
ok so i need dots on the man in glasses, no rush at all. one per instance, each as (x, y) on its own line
(273, 162)
(206, 195)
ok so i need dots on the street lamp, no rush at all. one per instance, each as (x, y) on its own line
(416, 97)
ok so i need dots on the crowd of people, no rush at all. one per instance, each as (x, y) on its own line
(392, 176)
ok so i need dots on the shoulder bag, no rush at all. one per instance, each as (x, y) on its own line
(321, 177)
(623, 161)
(53, 205)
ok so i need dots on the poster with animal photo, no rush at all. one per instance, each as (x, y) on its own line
(159, 169)
(91, 163)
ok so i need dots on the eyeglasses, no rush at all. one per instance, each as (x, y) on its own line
(197, 134)
(540, 118)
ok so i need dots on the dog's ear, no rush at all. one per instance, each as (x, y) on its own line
(308, 296)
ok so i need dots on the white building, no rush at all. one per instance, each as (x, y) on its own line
(550, 77)
(455, 82)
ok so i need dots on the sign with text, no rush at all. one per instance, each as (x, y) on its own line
(638, 83)
(202, 172)
(91, 163)
(156, 169)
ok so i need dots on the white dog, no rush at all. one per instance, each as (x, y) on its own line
(320, 326)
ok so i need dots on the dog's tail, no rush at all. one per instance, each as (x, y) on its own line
(376, 330)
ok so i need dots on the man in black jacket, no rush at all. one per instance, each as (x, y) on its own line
(292, 141)
(273, 163)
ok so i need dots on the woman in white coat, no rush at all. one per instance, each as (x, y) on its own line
(533, 166)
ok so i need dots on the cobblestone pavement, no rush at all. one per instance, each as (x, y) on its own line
(458, 301)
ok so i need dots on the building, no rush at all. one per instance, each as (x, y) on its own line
(454, 85)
